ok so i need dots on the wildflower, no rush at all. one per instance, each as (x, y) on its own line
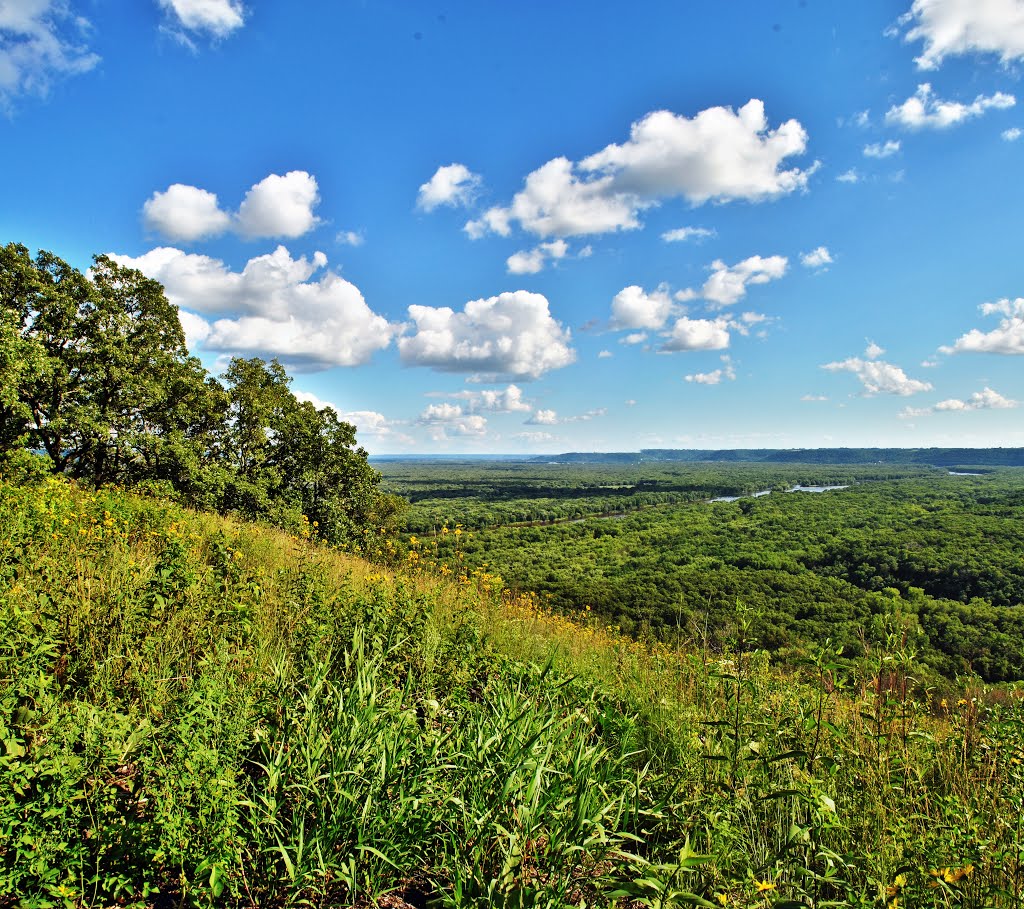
(952, 875)
(893, 890)
(764, 886)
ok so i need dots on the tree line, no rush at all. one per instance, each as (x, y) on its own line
(934, 457)
(97, 384)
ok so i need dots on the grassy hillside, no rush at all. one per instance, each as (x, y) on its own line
(195, 711)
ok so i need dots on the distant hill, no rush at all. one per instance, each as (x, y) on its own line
(938, 457)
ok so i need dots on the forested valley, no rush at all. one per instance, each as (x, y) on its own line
(934, 552)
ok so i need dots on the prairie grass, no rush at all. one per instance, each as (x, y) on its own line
(201, 712)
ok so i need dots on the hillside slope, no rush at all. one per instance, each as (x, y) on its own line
(196, 711)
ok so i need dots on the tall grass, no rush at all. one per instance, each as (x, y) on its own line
(200, 712)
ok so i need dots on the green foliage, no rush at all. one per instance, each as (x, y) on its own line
(95, 375)
(482, 494)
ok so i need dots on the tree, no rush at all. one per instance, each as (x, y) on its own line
(41, 301)
(112, 394)
(95, 373)
(332, 479)
(289, 453)
(20, 358)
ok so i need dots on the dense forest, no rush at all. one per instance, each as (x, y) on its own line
(96, 384)
(478, 494)
(938, 554)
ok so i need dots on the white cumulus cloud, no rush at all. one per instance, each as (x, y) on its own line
(543, 418)
(367, 422)
(1012, 134)
(986, 399)
(496, 400)
(633, 307)
(728, 283)
(318, 402)
(454, 185)
(529, 262)
(277, 206)
(879, 377)
(718, 155)
(376, 425)
(1008, 338)
(272, 307)
(817, 258)
(446, 420)
(953, 27)
(696, 334)
(218, 18)
(849, 176)
(280, 206)
(924, 110)
(873, 351)
(512, 334)
(558, 202)
(185, 213)
(40, 41)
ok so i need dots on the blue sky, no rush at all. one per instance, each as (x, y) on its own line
(541, 227)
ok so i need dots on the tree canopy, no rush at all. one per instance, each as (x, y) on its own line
(96, 377)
